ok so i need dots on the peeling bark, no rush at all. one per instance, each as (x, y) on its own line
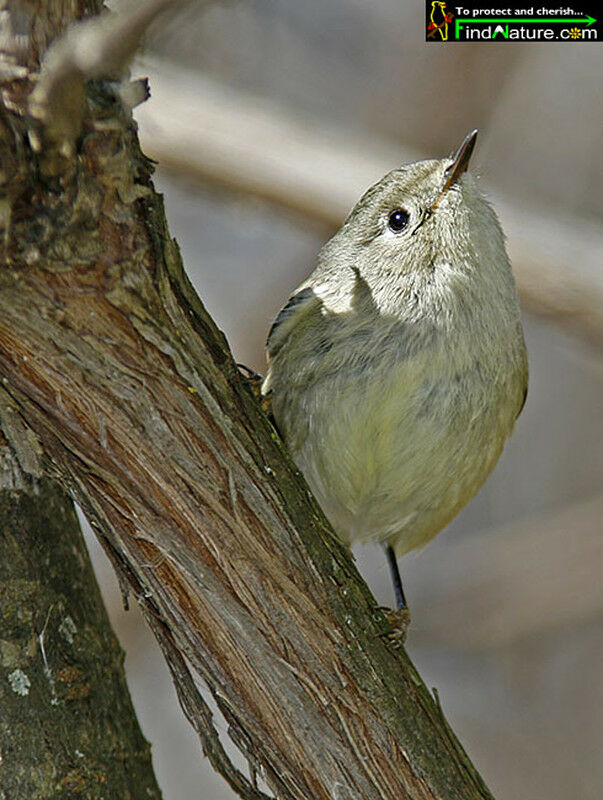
(122, 380)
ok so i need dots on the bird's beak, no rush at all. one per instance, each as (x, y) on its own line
(460, 163)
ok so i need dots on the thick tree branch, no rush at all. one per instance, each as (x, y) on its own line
(129, 389)
(67, 725)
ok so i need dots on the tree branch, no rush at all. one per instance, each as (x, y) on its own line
(199, 715)
(131, 392)
(67, 724)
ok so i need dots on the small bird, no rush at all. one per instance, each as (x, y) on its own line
(396, 371)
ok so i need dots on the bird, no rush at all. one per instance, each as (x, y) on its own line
(397, 369)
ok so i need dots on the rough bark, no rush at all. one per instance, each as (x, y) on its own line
(121, 378)
(67, 726)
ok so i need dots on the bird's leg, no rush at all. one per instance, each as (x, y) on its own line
(396, 579)
(400, 618)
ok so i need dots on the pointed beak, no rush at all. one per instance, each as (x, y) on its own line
(460, 163)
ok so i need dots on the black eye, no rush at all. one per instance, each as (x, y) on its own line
(398, 220)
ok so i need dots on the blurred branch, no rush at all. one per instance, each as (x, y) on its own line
(98, 47)
(537, 575)
(122, 380)
(195, 126)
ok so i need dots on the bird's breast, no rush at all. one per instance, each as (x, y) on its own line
(394, 440)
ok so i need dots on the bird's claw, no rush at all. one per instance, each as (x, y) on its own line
(253, 379)
(398, 622)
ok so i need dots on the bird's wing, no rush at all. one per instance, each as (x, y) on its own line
(297, 307)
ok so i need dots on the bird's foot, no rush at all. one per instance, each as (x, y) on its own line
(253, 379)
(398, 621)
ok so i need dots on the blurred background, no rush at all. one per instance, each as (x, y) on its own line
(268, 119)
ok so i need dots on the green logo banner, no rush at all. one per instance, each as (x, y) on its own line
(449, 21)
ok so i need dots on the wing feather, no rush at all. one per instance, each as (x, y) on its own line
(298, 305)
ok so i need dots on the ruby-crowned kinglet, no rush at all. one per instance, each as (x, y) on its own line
(398, 368)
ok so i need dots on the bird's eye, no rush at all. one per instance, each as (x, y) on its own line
(398, 220)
